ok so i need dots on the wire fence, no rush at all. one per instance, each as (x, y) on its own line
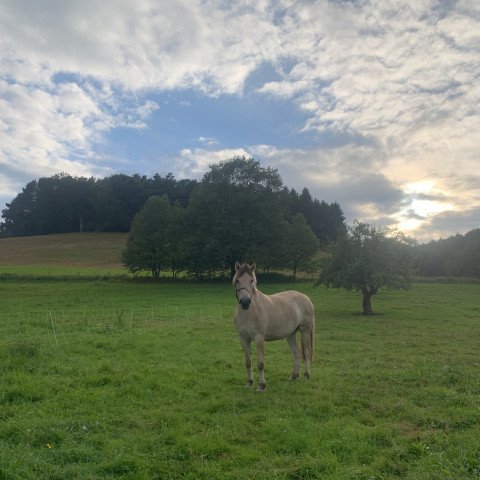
(57, 326)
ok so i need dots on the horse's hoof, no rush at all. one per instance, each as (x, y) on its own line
(293, 377)
(249, 384)
(307, 375)
(261, 388)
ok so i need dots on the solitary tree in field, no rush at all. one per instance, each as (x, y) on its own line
(366, 258)
(154, 241)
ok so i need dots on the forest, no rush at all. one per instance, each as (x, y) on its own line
(237, 210)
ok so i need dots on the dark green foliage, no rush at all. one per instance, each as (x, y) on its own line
(326, 220)
(456, 256)
(119, 198)
(300, 244)
(236, 213)
(366, 258)
(20, 214)
(239, 211)
(56, 204)
(66, 204)
(62, 203)
(153, 244)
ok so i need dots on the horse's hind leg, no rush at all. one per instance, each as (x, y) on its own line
(248, 360)
(292, 342)
(307, 346)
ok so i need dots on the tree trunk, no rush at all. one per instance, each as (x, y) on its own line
(232, 270)
(156, 273)
(367, 303)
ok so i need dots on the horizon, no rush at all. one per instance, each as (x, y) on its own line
(373, 106)
(351, 224)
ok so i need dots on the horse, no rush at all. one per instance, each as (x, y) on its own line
(260, 318)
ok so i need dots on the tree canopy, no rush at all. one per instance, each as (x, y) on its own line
(153, 244)
(236, 212)
(64, 203)
(456, 256)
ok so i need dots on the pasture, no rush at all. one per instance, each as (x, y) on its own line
(135, 380)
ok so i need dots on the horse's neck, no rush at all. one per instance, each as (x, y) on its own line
(258, 295)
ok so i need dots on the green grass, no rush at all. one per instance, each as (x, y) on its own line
(136, 380)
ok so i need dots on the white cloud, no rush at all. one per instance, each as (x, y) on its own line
(401, 80)
(193, 163)
(145, 44)
(208, 141)
(41, 129)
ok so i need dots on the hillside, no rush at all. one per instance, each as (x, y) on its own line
(81, 250)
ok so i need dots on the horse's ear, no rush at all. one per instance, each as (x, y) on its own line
(237, 266)
(254, 266)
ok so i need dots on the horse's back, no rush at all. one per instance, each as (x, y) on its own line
(290, 310)
(291, 298)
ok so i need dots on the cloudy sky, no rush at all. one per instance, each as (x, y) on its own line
(374, 104)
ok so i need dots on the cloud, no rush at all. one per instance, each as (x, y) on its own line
(208, 141)
(70, 73)
(447, 223)
(399, 83)
(40, 129)
(143, 45)
(346, 176)
(195, 162)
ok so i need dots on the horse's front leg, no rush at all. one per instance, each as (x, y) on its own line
(248, 360)
(260, 343)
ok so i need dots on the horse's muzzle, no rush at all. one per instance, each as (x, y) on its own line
(245, 303)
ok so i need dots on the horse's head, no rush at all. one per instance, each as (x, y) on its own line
(245, 283)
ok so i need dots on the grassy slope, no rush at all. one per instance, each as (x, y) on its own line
(155, 390)
(62, 253)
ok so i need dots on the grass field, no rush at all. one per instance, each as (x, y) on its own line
(136, 380)
(68, 253)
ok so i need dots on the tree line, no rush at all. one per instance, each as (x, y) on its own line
(456, 256)
(64, 204)
(239, 210)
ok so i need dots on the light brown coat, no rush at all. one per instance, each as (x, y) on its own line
(260, 318)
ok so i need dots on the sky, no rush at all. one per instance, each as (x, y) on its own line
(374, 104)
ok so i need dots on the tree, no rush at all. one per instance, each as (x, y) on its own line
(366, 258)
(153, 243)
(65, 204)
(20, 213)
(57, 204)
(119, 198)
(236, 212)
(456, 256)
(325, 220)
(177, 191)
(300, 243)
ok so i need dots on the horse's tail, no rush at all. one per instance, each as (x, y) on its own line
(311, 341)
